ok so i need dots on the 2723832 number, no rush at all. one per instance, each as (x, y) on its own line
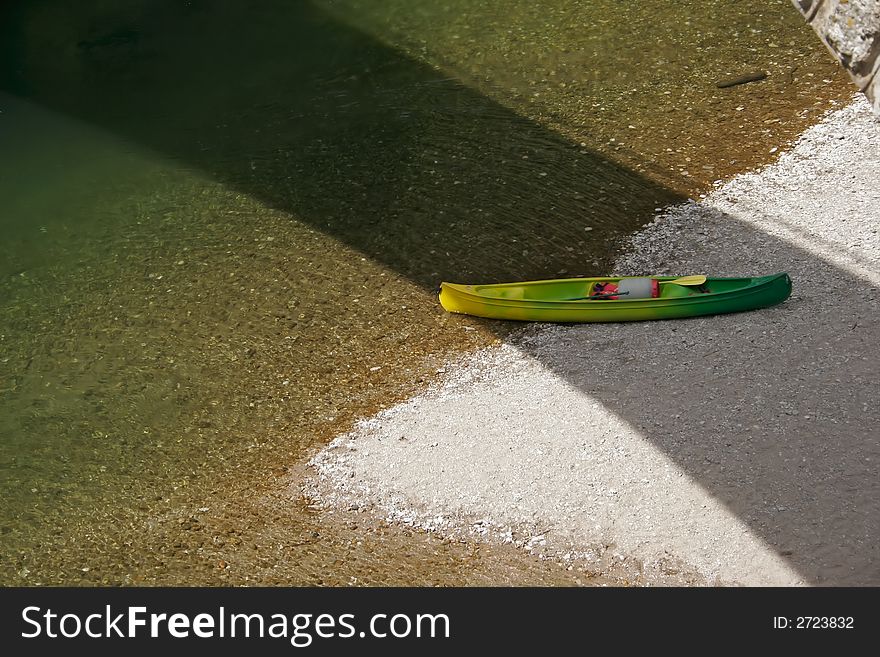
(824, 622)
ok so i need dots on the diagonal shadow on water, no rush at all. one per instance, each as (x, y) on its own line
(312, 117)
(437, 181)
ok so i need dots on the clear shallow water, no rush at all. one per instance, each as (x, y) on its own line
(635, 82)
(223, 225)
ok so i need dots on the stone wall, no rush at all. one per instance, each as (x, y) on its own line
(851, 30)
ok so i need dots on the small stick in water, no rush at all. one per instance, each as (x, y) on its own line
(742, 79)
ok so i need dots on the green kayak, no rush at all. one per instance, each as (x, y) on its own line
(609, 299)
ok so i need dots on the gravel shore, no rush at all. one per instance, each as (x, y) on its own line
(730, 450)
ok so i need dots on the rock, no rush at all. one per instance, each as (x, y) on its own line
(741, 79)
(851, 31)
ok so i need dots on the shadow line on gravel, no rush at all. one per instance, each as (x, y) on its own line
(772, 412)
